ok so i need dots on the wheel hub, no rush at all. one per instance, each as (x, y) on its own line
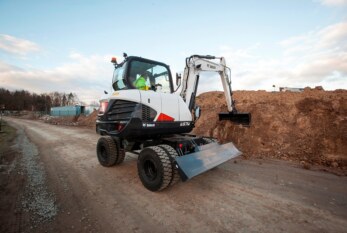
(103, 153)
(150, 169)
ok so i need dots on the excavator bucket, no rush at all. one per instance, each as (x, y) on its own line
(208, 157)
(239, 118)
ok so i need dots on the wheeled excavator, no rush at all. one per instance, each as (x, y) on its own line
(154, 121)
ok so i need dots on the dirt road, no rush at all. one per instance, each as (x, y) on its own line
(241, 196)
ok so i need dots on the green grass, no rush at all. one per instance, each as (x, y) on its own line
(7, 136)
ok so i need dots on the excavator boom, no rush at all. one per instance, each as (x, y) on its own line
(196, 64)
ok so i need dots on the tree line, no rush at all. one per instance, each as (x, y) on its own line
(20, 100)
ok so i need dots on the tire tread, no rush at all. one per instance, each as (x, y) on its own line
(166, 165)
(173, 154)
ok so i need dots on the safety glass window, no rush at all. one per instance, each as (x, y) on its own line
(149, 76)
(117, 80)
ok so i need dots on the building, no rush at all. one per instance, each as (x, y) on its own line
(291, 89)
(68, 110)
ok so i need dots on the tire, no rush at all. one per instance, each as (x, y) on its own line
(106, 150)
(120, 152)
(154, 168)
(173, 154)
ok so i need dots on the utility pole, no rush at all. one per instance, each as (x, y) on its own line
(2, 108)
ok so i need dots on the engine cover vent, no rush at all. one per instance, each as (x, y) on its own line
(121, 110)
(148, 114)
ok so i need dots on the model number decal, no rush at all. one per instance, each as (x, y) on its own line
(211, 66)
(184, 123)
(148, 125)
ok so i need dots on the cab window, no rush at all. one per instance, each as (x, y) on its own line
(161, 77)
(142, 75)
(118, 82)
(149, 76)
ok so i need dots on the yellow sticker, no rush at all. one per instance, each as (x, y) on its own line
(116, 93)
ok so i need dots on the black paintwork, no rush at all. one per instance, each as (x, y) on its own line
(135, 121)
(135, 129)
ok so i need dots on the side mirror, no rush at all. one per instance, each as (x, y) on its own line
(197, 112)
(178, 79)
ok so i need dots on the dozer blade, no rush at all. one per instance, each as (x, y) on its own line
(239, 118)
(209, 157)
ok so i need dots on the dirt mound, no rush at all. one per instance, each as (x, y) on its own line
(89, 120)
(81, 120)
(309, 127)
(62, 120)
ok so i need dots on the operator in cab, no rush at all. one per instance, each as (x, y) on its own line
(141, 82)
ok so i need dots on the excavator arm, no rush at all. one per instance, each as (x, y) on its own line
(191, 76)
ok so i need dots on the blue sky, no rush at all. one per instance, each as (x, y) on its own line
(67, 45)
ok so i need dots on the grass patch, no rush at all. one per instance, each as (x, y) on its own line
(7, 136)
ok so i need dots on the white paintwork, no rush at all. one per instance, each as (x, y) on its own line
(191, 72)
(129, 95)
(185, 114)
(169, 104)
(151, 99)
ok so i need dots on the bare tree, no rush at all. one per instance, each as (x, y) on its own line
(70, 99)
(24, 100)
(64, 100)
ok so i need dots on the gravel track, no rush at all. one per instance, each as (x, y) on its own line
(238, 196)
(36, 198)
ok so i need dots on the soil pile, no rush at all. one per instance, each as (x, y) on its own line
(81, 120)
(55, 120)
(89, 120)
(310, 127)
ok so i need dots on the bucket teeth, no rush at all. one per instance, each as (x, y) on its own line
(239, 118)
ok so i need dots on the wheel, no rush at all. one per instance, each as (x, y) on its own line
(154, 168)
(173, 154)
(120, 152)
(106, 150)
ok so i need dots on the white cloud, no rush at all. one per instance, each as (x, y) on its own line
(333, 2)
(316, 58)
(17, 46)
(334, 36)
(87, 76)
(318, 54)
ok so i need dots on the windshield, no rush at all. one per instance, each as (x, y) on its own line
(149, 76)
(118, 79)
